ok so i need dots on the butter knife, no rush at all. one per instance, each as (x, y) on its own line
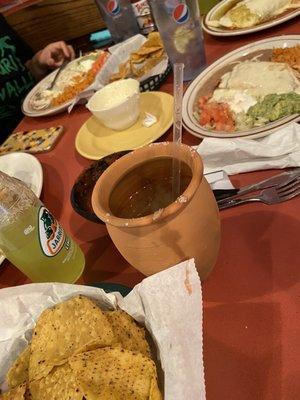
(280, 179)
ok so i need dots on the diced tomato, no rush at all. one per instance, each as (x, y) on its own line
(98, 63)
(215, 115)
(203, 100)
(204, 118)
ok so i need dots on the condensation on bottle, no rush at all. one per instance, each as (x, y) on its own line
(32, 239)
(119, 18)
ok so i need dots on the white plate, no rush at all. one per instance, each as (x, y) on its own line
(217, 11)
(25, 167)
(28, 110)
(209, 78)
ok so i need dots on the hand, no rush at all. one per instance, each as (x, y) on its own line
(53, 55)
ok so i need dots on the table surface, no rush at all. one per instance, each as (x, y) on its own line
(251, 299)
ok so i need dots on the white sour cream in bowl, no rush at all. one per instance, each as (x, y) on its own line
(117, 105)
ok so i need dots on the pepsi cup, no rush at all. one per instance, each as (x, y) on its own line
(119, 18)
(179, 24)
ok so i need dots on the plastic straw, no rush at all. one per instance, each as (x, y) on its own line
(177, 127)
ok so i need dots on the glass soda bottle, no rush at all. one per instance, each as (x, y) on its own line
(32, 239)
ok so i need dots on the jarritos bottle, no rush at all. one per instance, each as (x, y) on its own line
(32, 239)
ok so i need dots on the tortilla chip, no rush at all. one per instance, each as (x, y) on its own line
(128, 333)
(137, 59)
(149, 64)
(59, 384)
(28, 395)
(136, 71)
(115, 373)
(18, 372)
(124, 71)
(154, 39)
(144, 51)
(17, 393)
(158, 54)
(71, 327)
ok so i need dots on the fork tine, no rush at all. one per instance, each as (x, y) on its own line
(288, 188)
(290, 196)
(289, 191)
(295, 179)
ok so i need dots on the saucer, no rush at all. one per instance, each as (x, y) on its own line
(95, 141)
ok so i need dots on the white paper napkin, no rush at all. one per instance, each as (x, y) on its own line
(219, 180)
(281, 149)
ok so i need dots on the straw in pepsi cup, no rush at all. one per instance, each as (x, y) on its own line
(180, 27)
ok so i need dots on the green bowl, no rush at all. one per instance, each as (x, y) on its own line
(112, 287)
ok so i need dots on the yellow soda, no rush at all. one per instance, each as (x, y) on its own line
(32, 239)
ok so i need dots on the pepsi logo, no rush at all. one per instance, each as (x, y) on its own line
(113, 7)
(181, 13)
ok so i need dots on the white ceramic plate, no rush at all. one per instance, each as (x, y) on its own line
(221, 8)
(30, 112)
(25, 167)
(208, 80)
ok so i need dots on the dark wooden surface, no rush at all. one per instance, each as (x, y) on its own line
(52, 20)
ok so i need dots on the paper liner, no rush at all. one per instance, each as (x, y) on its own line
(169, 304)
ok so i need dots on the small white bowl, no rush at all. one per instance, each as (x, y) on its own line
(117, 105)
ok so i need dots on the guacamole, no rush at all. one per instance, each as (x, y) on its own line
(275, 106)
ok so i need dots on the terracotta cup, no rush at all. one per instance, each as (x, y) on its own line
(187, 228)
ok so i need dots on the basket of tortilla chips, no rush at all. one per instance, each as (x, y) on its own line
(72, 342)
(139, 58)
(78, 351)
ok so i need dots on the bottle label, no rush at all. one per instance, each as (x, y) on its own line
(51, 234)
(113, 7)
(181, 13)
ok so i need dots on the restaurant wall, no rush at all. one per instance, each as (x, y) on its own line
(52, 20)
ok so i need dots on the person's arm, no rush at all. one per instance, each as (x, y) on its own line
(51, 57)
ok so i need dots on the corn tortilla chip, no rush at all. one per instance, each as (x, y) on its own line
(158, 54)
(59, 384)
(154, 39)
(152, 48)
(137, 59)
(124, 71)
(128, 333)
(149, 64)
(71, 327)
(18, 372)
(136, 71)
(144, 51)
(17, 393)
(27, 395)
(115, 373)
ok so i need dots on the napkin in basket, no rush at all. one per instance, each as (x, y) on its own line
(280, 149)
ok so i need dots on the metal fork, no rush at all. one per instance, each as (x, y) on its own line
(273, 195)
(60, 69)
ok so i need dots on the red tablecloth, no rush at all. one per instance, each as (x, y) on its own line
(251, 299)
